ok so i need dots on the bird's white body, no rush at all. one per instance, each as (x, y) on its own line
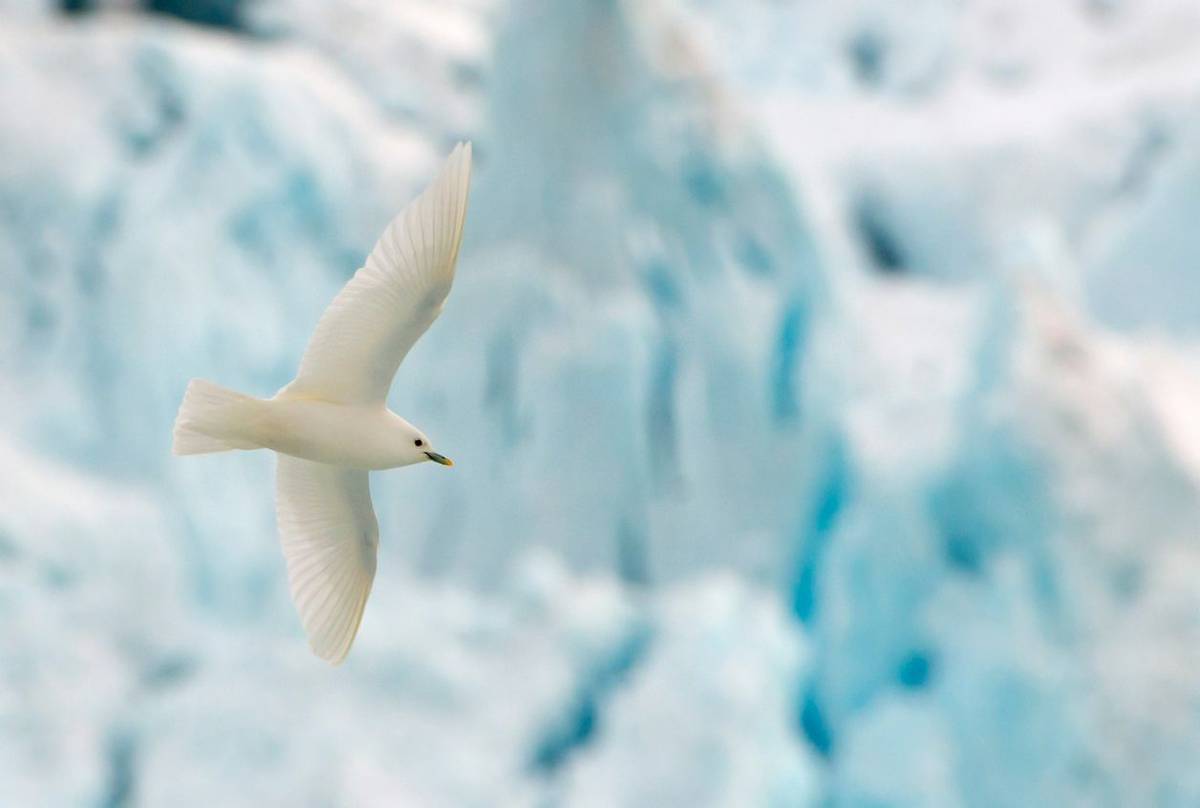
(357, 436)
(330, 425)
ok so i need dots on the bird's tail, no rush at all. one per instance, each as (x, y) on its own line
(215, 419)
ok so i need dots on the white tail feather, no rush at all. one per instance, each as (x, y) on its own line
(214, 419)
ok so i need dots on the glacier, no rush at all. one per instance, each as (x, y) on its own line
(821, 380)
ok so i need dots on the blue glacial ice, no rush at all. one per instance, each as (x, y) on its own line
(820, 379)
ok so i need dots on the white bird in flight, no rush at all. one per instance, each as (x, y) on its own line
(330, 425)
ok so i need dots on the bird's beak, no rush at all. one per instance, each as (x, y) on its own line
(437, 458)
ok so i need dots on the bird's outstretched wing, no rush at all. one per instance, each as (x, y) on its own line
(390, 302)
(329, 535)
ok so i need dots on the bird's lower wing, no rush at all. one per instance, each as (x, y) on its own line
(330, 535)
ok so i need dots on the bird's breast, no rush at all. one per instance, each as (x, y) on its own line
(355, 436)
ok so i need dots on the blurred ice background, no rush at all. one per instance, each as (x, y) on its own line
(823, 380)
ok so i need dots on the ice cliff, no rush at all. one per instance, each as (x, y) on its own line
(821, 378)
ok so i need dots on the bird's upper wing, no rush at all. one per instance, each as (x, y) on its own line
(378, 316)
(329, 535)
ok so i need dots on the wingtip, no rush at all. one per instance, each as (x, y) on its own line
(334, 660)
(336, 654)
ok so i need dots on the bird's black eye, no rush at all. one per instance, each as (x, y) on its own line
(419, 442)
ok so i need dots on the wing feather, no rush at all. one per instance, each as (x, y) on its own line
(329, 534)
(379, 315)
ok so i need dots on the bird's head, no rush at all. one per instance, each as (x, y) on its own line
(421, 450)
(408, 445)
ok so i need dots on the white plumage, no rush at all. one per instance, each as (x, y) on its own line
(377, 317)
(331, 425)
